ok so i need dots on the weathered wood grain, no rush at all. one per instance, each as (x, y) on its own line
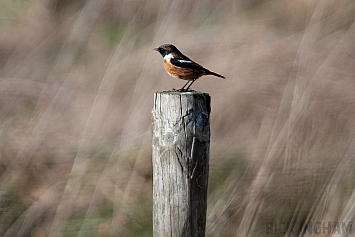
(181, 140)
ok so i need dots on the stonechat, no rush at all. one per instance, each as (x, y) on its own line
(178, 65)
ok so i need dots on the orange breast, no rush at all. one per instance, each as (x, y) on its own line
(181, 73)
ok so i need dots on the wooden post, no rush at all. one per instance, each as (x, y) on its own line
(181, 140)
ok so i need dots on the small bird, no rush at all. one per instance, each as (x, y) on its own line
(178, 65)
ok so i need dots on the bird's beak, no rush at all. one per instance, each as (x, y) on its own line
(156, 49)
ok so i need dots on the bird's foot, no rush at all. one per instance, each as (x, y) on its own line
(182, 90)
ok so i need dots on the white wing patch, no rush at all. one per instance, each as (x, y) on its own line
(184, 61)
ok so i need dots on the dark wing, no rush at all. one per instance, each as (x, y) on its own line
(188, 63)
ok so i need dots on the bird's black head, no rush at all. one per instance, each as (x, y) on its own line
(165, 49)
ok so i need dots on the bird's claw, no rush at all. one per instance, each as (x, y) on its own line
(182, 90)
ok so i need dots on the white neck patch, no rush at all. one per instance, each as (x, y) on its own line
(168, 56)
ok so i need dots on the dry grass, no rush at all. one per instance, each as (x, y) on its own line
(76, 89)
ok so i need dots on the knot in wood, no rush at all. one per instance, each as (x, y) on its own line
(168, 139)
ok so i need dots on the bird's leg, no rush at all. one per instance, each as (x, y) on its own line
(190, 84)
(182, 88)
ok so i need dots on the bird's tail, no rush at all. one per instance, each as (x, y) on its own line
(215, 74)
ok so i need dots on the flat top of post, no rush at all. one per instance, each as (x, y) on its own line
(176, 92)
(190, 95)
